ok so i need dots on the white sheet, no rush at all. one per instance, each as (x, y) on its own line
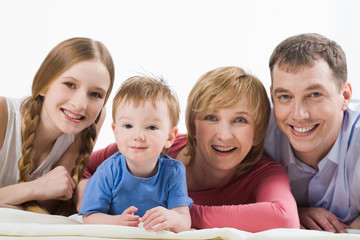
(16, 224)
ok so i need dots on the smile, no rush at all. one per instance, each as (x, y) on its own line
(223, 149)
(304, 129)
(72, 115)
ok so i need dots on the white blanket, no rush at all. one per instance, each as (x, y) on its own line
(16, 224)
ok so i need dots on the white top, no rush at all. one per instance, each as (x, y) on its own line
(10, 152)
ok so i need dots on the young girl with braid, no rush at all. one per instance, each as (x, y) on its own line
(46, 139)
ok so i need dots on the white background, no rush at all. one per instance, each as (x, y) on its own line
(179, 40)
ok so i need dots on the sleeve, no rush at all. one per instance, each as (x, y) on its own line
(274, 207)
(178, 195)
(98, 190)
(97, 157)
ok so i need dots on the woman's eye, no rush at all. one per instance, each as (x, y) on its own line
(240, 120)
(96, 95)
(210, 118)
(69, 84)
(151, 127)
(127, 126)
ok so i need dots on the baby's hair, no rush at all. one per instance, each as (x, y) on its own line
(139, 89)
(62, 57)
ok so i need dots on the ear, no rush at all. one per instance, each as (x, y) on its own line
(113, 125)
(171, 138)
(346, 93)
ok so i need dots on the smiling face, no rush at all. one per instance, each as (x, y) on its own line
(142, 131)
(74, 100)
(308, 108)
(224, 137)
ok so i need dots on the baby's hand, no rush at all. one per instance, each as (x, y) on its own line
(127, 218)
(159, 218)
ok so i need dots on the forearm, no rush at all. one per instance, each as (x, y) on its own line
(99, 218)
(183, 219)
(249, 217)
(18, 193)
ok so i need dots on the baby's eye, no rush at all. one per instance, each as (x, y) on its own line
(96, 95)
(240, 120)
(210, 118)
(151, 128)
(127, 126)
(69, 84)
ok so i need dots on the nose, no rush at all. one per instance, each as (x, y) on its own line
(79, 100)
(224, 131)
(300, 111)
(139, 135)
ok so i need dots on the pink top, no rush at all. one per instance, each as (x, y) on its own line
(256, 201)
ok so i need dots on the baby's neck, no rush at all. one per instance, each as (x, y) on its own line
(142, 169)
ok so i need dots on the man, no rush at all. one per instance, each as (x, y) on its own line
(315, 131)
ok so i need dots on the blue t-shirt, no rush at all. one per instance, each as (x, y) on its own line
(112, 188)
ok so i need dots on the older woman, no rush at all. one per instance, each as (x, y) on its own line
(231, 182)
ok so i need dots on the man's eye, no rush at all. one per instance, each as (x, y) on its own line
(315, 94)
(210, 118)
(284, 97)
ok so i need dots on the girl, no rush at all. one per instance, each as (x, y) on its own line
(46, 139)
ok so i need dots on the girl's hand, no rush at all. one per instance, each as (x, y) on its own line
(56, 184)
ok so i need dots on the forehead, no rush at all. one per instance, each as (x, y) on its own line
(315, 76)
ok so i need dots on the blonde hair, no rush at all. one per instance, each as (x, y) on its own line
(62, 57)
(139, 89)
(222, 88)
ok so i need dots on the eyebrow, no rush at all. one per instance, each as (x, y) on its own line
(316, 86)
(76, 80)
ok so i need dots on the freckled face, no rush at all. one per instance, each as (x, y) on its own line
(224, 137)
(74, 100)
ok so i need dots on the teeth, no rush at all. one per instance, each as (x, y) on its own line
(69, 114)
(303, 130)
(224, 149)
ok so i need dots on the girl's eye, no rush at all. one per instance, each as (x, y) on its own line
(69, 84)
(151, 128)
(127, 126)
(210, 118)
(240, 120)
(96, 95)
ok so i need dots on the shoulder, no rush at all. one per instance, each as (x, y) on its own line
(3, 119)
(112, 164)
(171, 166)
(267, 168)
